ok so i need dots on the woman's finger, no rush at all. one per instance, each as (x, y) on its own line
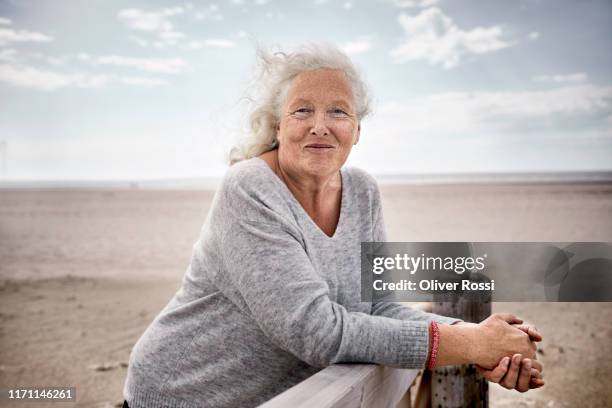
(510, 318)
(535, 334)
(531, 330)
(537, 365)
(524, 378)
(509, 381)
(536, 383)
(495, 375)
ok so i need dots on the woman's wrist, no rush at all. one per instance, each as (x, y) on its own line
(458, 343)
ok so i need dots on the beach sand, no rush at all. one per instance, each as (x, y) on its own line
(82, 273)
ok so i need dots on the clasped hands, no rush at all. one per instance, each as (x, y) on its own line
(506, 334)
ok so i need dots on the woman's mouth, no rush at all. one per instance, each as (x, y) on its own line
(319, 146)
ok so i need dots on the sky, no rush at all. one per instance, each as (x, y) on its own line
(118, 90)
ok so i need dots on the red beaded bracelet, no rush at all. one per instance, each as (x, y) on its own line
(435, 342)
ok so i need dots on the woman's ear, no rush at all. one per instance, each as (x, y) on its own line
(358, 133)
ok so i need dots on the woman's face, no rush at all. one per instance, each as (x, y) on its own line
(318, 125)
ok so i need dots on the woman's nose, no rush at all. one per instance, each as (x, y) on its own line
(319, 125)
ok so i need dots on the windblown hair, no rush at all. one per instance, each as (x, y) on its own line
(275, 72)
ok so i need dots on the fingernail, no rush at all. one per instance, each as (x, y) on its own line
(527, 364)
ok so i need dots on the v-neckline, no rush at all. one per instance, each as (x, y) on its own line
(343, 200)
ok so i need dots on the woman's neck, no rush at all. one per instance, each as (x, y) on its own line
(320, 197)
(310, 190)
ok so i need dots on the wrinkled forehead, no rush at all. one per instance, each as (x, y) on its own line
(321, 85)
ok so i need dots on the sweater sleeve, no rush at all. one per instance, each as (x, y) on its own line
(391, 309)
(290, 302)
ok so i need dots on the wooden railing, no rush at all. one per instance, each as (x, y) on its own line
(350, 385)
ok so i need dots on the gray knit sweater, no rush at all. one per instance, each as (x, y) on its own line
(269, 299)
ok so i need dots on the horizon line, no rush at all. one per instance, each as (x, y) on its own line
(207, 183)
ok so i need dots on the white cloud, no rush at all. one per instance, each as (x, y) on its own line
(145, 82)
(577, 77)
(414, 3)
(214, 43)
(46, 80)
(357, 47)
(56, 60)
(488, 131)
(8, 54)
(194, 45)
(154, 22)
(170, 36)
(279, 15)
(434, 37)
(347, 5)
(211, 11)
(8, 35)
(534, 35)
(137, 40)
(488, 113)
(261, 2)
(5, 21)
(157, 65)
(83, 56)
(220, 43)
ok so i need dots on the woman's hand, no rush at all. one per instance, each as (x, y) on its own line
(518, 373)
(486, 343)
(497, 338)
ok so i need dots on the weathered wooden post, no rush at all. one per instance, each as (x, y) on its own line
(461, 386)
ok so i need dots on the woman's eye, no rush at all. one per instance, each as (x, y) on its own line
(338, 112)
(302, 110)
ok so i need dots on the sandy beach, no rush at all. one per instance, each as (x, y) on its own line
(82, 273)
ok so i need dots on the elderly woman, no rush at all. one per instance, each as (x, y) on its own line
(272, 293)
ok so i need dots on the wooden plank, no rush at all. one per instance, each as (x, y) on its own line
(406, 401)
(388, 388)
(347, 385)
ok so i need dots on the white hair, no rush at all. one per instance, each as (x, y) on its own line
(275, 73)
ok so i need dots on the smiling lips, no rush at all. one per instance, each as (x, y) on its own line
(319, 146)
